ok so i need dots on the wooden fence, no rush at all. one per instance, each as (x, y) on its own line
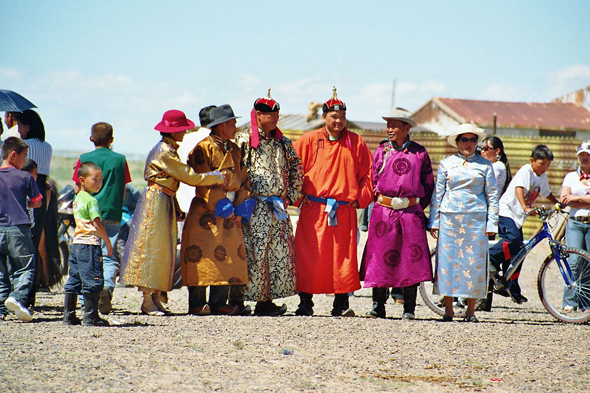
(518, 151)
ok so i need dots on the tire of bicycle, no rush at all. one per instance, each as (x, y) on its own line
(550, 284)
(435, 302)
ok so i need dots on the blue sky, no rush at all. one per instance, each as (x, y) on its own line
(126, 62)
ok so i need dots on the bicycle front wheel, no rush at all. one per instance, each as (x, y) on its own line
(566, 304)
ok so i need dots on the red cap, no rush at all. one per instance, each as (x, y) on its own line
(334, 104)
(266, 104)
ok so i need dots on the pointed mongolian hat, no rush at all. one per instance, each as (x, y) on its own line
(333, 104)
(265, 104)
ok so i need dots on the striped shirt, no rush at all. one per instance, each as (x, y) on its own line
(40, 152)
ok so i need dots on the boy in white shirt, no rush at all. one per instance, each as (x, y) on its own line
(528, 183)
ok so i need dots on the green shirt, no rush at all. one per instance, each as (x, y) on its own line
(86, 210)
(115, 174)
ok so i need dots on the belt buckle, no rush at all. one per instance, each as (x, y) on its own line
(399, 203)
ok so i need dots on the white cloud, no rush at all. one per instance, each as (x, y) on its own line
(499, 92)
(568, 80)
(10, 76)
(557, 84)
(70, 102)
(372, 101)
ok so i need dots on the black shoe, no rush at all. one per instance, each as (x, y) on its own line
(349, 312)
(304, 311)
(243, 310)
(374, 314)
(269, 309)
(447, 318)
(225, 310)
(518, 298)
(500, 285)
(378, 311)
(104, 301)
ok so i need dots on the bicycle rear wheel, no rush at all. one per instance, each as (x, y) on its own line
(436, 302)
(553, 291)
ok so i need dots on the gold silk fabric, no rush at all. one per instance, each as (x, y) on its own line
(213, 250)
(150, 254)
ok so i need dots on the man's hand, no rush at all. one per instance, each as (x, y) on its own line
(528, 209)
(109, 248)
(434, 233)
(354, 204)
(286, 202)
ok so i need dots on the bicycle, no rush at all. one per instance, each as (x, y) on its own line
(564, 269)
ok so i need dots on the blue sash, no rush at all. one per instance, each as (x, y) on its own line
(331, 207)
(278, 206)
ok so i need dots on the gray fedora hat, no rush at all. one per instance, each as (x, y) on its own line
(221, 114)
(401, 114)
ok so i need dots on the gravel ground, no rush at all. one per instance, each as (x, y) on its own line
(514, 348)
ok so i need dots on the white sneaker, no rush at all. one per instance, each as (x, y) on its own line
(21, 312)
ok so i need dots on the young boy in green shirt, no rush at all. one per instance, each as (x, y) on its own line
(86, 268)
(110, 198)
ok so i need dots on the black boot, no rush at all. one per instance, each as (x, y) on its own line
(91, 317)
(305, 307)
(410, 294)
(486, 305)
(70, 302)
(341, 307)
(379, 299)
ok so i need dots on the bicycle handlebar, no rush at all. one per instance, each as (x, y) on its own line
(543, 213)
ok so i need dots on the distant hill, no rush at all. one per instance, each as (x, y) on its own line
(63, 162)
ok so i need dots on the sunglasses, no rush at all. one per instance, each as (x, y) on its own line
(464, 139)
(486, 148)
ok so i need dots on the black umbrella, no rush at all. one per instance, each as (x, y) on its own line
(14, 102)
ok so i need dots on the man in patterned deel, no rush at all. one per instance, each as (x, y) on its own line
(275, 183)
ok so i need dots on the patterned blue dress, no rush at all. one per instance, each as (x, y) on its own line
(464, 207)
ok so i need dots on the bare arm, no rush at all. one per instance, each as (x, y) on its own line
(552, 198)
(519, 191)
(102, 233)
(579, 201)
(34, 205)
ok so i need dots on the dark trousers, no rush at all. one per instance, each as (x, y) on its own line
(340, 301)
(86, 273)
(409, 293)
(511, 241)
(197, 296)
(40, 216)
